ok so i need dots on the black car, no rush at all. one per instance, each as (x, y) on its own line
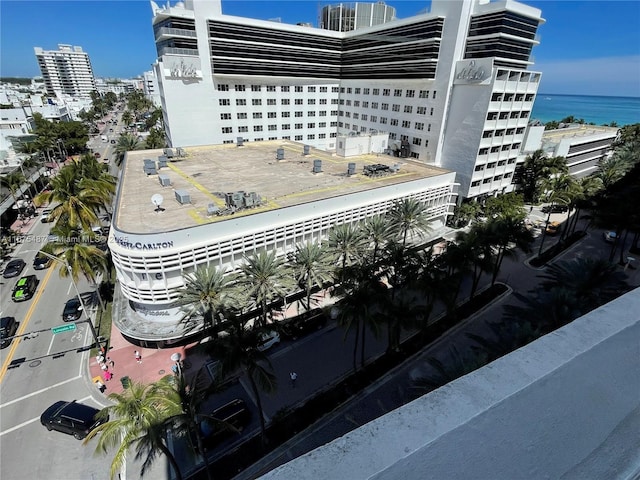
(41, 262)
(231, 419)
(296, 327)
(14, 268)
(72, 310)
(72, 418)
(25, 288)
(555, 208)
(8, 327)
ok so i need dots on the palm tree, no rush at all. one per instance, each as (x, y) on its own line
(126, 143)
(137, 419)
(127, 118)
(536, 169)
(207, 291)
(408, 217)
(265, 278)
(505, 235)
(238, 351)
(471, 251)
(311, 267)
(377, 231)
(79, 200)
(346, 243)
(13, 182)
(155, 139)
(557, 192)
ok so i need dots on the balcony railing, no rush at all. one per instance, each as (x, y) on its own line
(174, 32)
(178, 51)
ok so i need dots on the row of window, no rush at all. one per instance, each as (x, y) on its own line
(512, 97)
(274, 127)
(490, 165)
(497, 178)
(224, 87)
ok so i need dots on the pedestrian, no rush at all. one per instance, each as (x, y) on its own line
(107, 375)
(110, 362)
(101, 386)
(100, 358)
(293, 376)
(138, 356)
(104, 367)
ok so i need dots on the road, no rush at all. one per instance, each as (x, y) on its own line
(27, 449)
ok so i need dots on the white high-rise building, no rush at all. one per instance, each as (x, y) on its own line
(343, 17)
(66, 71)
(451, 87)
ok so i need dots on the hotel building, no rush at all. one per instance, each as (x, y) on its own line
(452, 87)
(66, 71)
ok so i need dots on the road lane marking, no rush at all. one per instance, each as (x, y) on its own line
(24, 323)
(42, 390)
(50, 345)
(24, 424)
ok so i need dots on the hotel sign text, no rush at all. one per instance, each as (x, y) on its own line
(143, 246)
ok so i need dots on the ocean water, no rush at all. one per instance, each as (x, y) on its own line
(593, 109)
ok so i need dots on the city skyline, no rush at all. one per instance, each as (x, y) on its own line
(571, 57)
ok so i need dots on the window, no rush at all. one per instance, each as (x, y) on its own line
(322, 135)
(272, 127)
(255, 88)
(476, 183)
(322, 124)
(486, 180)
(356, 116)
(243, 129)
(384, 106)
(365, 104)
(284, 101)
(241, 116)
(431, 112)
(335, 89)
(478, 168)
(434, 95)
(225, 116)
(383, 120)
(357, 91)
(349, 90)
(424, 94)
(227, 130)
(419, 126)
(311, 137)
(394, 122)
(240, 102)
(323, 89)
(406, 124)
(272, 115)
(395, 108)
(376, 91)
(298, 126)
(417, 141)
(271, 88)
(491, 165)
(271, 101)
(298, 89)
(286, 114)
(222, 87)
(311, 101)
(483, 151)
(240, 88)
(311, 113)
(286, 126)
(365, 116)
(429, 128)
(311, 89)
(386, 92)
(348, 102)
(311, 125)
(257, 128)
(323, 101)
(421, 110)
(298, 138)
(397, 92)
(299, 114)
(410, 93)
(322, 113)
(224, 101)
(408, 109)
(356, 103)
(374, 118)
(366, 91)
(298, 101)
(334, 101)
(256, 101)
(284, 88)
(257, 115)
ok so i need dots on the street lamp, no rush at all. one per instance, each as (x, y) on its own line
(75, 286)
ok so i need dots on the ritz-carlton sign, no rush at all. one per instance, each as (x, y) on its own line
(475, 72)
(141, 245)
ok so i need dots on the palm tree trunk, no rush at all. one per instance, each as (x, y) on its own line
(497, 265)
(544, 233)
(172, 460)
(355, 347)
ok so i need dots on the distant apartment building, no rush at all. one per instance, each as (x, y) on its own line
(150, 87)
(66, 71)
(452, 87)
(343, 17)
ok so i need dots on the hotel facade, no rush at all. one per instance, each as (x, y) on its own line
(452, 88)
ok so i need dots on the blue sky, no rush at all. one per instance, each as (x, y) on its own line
(587, 47)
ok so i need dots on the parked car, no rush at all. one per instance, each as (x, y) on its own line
(46, 215)
(555, 208)
(304, 324)
(97, 154)
(235, 413)
(41, 262)
(609, 237)
(72, 418)
(14, 268)
(8, 327)
(72, 310)
(113, 141)
(25, 288)
(268, 340)
(552, 228)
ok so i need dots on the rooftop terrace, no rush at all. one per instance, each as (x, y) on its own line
(206, 173)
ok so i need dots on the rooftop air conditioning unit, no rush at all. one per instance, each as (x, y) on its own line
(162, 161)
(168, 152)
(317, 166)
(165, 181)
(183, 197)
(306, 150)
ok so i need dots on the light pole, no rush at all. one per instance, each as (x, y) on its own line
(75, 286)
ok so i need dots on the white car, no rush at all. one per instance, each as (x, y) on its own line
(268, 340)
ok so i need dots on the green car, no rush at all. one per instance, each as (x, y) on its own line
(25, 288)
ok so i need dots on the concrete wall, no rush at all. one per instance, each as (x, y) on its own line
(566, 406)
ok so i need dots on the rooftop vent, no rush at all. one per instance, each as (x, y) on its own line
(212, 209)
(317, 166)
(165, 181)
(280, 154)
(306, 150)
(183, 197)
(180, 151)
(162, 161)
(169, 152)
(240, 141)
(150, 167)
